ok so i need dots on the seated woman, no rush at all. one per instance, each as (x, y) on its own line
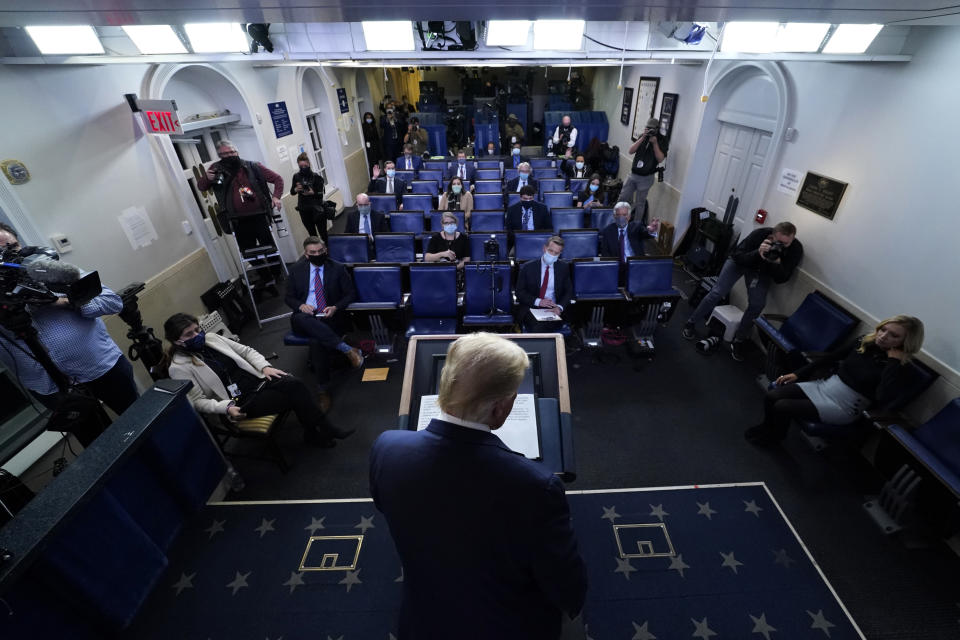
(235, 381)
(456, 198)
(448, 245)
(870, 370)
(593, 196)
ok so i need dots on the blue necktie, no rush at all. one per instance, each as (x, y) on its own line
(526, 218)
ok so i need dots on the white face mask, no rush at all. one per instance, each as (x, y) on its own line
(516, 152)
(549, 258)
(579, 165)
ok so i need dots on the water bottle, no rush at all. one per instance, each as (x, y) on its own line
(235, 479)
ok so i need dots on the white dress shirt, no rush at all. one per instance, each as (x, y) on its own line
(446, 417)
(551, 281)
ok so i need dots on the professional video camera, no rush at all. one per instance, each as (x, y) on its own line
(491, 249)
(34, 275)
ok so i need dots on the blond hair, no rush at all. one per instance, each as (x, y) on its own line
(911, 342)
(480, 369)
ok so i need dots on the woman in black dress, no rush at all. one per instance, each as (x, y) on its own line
(372, 137)
(308, 187)
(448, 245)
(870, 370)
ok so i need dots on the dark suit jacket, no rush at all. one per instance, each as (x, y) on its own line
(610, 239)
(569, 169)
(508, 161)
(529, 280)
(416, 161)
(379, 185)
(452, 172)
(512, 184)
(483, 534)
(337, 286)
(377, 220)
(541, 217)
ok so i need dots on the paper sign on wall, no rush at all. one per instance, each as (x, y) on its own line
(789, 182)
(137, 227)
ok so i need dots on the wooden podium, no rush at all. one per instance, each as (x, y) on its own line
(546, 379)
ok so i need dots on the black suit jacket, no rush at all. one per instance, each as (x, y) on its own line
(337, 286)
(379, 185)
(486, 559)
(377, 220)
(569, 169)
(508, 161)
(512, 184)
(529, 280)
(451, 172)
(610, 239)
(541, 217)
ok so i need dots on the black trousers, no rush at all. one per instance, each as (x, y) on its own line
(324, 337)
(287, 393)
(781, 405)
(252, 231)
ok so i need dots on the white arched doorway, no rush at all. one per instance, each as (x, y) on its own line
(325, 126)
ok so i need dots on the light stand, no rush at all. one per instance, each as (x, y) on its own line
(491, 252)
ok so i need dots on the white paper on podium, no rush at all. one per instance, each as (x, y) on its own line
(519, 432)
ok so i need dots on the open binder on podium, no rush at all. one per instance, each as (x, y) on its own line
(540, 425)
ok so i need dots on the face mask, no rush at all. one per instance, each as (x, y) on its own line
(196, 342)
(368, 120)
(490, 152)
(317, 261)
(526, 204)
(390, 172)
(549, 258)
(461, 160)
(456, 188)
(407, 153)
(516, 152)
(579, 165)
(364, 209)
(305, 171)
(230, 162)
(524, 176)
(594, 187)
(450, 228)
(621, 222)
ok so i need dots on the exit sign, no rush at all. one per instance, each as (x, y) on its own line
(160, 116)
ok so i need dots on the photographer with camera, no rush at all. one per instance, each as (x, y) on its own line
(564, 137)
(392, 131)
(649, 150)
(78, 344)
(766, 256)
(308, 187)
(512, 131)
(417, 138)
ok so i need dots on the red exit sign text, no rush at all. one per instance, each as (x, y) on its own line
(162, 122)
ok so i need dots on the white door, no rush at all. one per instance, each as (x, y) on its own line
(737, 164)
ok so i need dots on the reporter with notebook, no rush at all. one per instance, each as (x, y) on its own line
(544, 285)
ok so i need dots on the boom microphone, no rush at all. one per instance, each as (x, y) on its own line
(52, 272)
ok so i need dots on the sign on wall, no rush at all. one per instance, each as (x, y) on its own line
(280, 118)
(342, 99)
(160, 116)
(821, 194)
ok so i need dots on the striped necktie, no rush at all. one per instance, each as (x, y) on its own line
(320, 301)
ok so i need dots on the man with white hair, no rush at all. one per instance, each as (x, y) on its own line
(524, 178)
(483, 534)
(622, 238)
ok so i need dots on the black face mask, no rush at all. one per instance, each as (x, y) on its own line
(318, 261)
(231, 162)
(305, 171)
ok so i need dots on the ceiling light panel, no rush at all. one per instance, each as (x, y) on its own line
(395, 35)
(155, 38)
(216, 37)
(558, 35)
(749, 37)
(65, 40)
(852, 38)
(507, 33)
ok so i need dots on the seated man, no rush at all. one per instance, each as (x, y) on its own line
(524, 177)
(466, 171)
(409, 161)
(491, 149)
(528, 214)
(516, 159)
(388, 183)
(544, 284)
(622, 238)
(319, 291)
(362, 220)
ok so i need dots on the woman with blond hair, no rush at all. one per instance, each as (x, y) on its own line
(870, 370)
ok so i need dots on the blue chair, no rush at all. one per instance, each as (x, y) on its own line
(509, 174)
(477, 296)
(541, 163)
(552, 184)
(528, 245)
(436, 220)
(567, 219)
(488, 186)
(544, 173)
(378, 287)
(395, 247)
(600, 218)
(434, 165)
(406, 221)
(650, 277)
(436, 175)
(577, 185)
(488, 201)
(476, 245)
(406, 176)
(424, 186)
(417, 202)
(433, 299)
(512, 199)
(580, 243)
(383, 202)
(349, 248)
(596, 280)
(489, 164)
(558, 199)
(488, 174)
(487, 220)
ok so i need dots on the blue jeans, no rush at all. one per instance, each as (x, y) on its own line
(757, 286)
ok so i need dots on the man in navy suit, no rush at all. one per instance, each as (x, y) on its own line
(524, 177)
(622, 238)
(544, 284)
(409, 161)
(516, 159)
(362, 220)
(388, 183)
(319, 291)
(528, 214)
(483, 534)
(467, 171)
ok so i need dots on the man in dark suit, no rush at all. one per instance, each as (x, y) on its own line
(524, 177)
(409, 161)
(388, 183)
(483, 534)
(319, 291)
(516, 158)
(467, 171)
(361, 219)
(528, 214)
(622, 238)
(544, 284)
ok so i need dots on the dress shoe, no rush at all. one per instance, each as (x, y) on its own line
(355, 358)
(318, 439)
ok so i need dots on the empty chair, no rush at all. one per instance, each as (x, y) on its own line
(580, 243)
(488, 164)
(488, 201)
(488, 186)
(650, 277)
(379, 287)
(424, 186)
(486, 220)
(596, 280)
(544, 173)
(477, 240)
(551, 184)
(509, 174)
(434, 175)
(395, 247)
(600, 218)
(541, 163)
(406, 176)
(433, 165)
(349, 247)
(417, 201)
(406, 221)
(577, 185)
(433, 299)
(488, 174)
(528, 245)
(436, 223)
(480, 306)
(557, 199)
(383, 202)
(569, 219)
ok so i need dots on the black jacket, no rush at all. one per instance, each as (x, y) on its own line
(747, 255)
(871, 373)
(379, 185)
(377, 220)
(610, 239)
(512, 184)
(529, 280)
(337, 285)
(541, 217)
(569, 168)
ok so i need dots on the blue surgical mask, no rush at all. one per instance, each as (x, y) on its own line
(196, 342)
(621, 221)
(549, 258)
(391, 172)
(524, 176)
(450, 228)
(456, 188)
(594, 187)
(579, 165)
(516, 151)
(461, 160)
(364, 209)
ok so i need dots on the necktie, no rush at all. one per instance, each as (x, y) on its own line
(546, 280)
(365, 224)
(526, 218)
(320, 302)
(623, 247)
(389, 185)
(408, 164)
(463, 172)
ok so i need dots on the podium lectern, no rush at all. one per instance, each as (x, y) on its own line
(546, 379)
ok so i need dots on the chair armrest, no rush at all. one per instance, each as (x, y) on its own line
(626, 294)
(460, 297)
(405, 301)
(775, 316)
(882, 419)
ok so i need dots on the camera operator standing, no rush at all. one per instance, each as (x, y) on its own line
(308, 187)
(564, 137)
(649, 150)
(78, 344)
(766, 256)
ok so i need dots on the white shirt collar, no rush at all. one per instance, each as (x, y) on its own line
(446, 417)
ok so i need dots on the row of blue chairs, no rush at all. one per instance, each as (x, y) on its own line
(408, 221)
(384, 203)
(431, 187)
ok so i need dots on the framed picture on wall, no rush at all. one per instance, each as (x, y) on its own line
(627, 105)
(646, 102)
(668, 109)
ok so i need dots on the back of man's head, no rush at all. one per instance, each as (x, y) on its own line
(480, 370)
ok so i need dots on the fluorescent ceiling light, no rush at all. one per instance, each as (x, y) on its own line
(216, 37)
(558, 35)
(507, 33)
(801, 37)
(66, 40)
(155, 38)
(773, 37)
(395, 35)
(852, 38)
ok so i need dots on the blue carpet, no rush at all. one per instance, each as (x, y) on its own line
(709, 562)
